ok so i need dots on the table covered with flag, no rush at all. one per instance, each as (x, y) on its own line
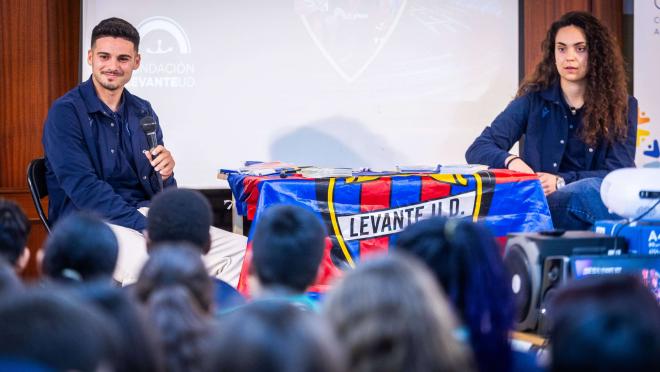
(364, 214)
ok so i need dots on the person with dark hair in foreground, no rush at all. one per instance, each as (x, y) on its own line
(98, 157)
(181, 215)
(605, 324)
(14, 230)
(47, 331)
(139, 350)
(274, 336)
(80, 248)
(178, 295)
(576, 117)
(287, 248)
(391, 316)
(464, 258)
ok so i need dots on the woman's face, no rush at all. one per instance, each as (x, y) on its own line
(571, 54)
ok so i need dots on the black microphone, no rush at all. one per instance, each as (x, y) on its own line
(149, 125)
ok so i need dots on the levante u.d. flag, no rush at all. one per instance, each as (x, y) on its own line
(363, 215)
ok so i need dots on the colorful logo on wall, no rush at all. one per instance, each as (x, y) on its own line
(645, 139)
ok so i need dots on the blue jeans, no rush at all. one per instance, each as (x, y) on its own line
(578, 205)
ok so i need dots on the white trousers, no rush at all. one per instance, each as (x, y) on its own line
(223, 261)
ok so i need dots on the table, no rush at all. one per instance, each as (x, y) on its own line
(364, 214)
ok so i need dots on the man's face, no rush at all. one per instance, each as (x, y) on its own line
(112, 60)
(571, 53)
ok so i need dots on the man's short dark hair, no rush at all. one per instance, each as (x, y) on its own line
(180, 215)
(81, 247)
(14, 229)
(288, 246)
(116, 27)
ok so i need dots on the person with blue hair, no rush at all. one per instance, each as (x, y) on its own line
(465, 259)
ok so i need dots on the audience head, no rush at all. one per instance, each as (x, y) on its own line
(180, 215)
(390, 315)
(287, 248)
(14, 229)
(116, 27)
(81, 247)
(274, 336)
(465, 259)
(139, 350)
(57, 332)
(177, 292)
(605, 323)
(176, 266)
(466, 262)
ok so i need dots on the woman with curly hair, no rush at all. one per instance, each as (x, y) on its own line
(576, 117)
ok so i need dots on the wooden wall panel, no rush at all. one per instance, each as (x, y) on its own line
(610, 12)
(24, 79)
(39, 53)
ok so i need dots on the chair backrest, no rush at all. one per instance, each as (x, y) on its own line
(36, 177)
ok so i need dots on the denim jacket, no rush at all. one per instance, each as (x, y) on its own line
(543, 120)
(80, 157)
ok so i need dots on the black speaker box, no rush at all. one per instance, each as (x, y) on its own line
(539, 263)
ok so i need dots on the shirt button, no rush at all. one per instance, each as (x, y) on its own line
(112, 151)
(565, 117)
(570, 126)
(554, 165)
(562, 142)
(144, 177)
(591, 150)
(112, 124)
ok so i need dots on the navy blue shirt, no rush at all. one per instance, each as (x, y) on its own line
(124, 180)
(543, 120)
(95, 160)
(573, 160)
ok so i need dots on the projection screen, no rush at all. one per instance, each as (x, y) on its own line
(373, 83)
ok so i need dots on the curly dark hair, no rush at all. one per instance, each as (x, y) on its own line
(606, 96)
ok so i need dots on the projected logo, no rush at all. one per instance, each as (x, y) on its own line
(167, 60)
(350, 33)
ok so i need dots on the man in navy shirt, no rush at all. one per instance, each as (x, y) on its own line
(98, 158)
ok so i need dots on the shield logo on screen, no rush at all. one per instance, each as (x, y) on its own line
(350, 33)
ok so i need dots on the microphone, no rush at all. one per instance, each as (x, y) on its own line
(148, 125)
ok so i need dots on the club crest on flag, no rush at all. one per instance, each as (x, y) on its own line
(362, 214)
